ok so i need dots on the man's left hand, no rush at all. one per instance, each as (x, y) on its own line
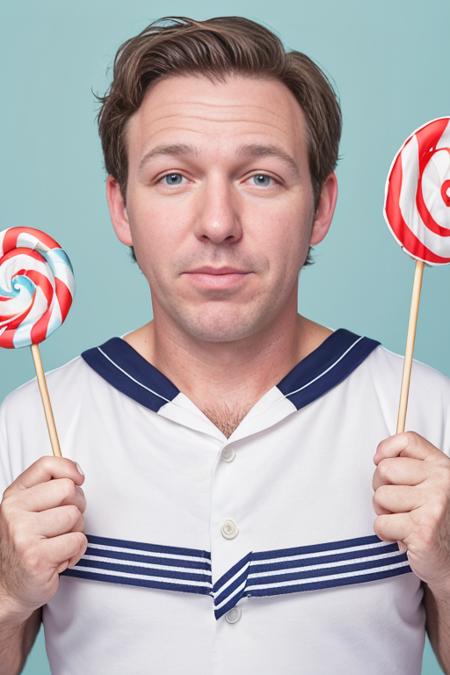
(412, 499)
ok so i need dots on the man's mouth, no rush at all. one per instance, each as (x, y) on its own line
(219, 278)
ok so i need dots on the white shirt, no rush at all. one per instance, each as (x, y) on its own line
(252, 554)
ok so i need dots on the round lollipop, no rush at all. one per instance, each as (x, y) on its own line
(36, 292)
(417, 203)
(417, 211)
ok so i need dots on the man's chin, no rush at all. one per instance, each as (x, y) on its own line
(220, 325)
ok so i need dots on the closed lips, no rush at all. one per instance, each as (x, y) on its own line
(218, 270)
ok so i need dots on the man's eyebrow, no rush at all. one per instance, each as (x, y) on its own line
(248, 151)
(173, 149)
(259, 150)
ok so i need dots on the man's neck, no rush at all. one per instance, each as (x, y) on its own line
(233, 376)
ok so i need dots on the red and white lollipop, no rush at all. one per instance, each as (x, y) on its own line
(36, 286)
(36, 293)
(417, 211)
(417, 202)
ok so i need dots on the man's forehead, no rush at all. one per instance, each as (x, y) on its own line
(240, 103)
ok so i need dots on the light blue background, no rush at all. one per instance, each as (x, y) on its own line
(390, 62)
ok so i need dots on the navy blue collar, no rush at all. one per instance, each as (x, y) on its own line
(324, 368)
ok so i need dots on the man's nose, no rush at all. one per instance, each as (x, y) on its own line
(218, 218)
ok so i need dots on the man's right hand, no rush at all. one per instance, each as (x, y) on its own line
(41, 532)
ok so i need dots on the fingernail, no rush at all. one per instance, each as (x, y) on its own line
(80, 470)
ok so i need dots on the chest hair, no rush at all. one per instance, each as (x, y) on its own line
(226, 418)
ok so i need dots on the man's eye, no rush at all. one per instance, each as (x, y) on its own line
(174, 179)
(262, 180)
(171, 179)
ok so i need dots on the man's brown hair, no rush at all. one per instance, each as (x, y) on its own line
(216, 48)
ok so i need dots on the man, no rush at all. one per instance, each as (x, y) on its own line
(228, 444)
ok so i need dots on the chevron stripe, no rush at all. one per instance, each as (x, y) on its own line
(261, 573)
(308, 568)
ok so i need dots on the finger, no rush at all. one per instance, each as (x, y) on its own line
(406, 444)
(44, 469)
(393, 527)
(58, 551)
(399, 471)
(61, 520)
(54, 493)
(73, 560)
(379, 509)
(398, 498)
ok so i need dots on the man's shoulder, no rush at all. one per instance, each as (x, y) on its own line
(428, 400)
(62, 382)
(387, 367)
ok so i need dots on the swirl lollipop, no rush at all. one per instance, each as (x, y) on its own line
(36, 292)
(417, 211)
(417, 204)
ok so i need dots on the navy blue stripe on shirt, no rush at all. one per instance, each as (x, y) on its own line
(327, 366)
(322, 571)
(126, 370)
(261, 573)
(331, 564)
(120, 555)
(142, 546)
(323, 559)
(232, 571)
(239, 582)
(324, 368)
(145, 571)
(326, 583)
(115, 560)
(371, 539)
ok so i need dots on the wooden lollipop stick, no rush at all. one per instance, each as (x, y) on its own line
(51, 426)
(415, 300)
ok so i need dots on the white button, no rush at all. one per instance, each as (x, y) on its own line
(228, 454)
(233, 615)
(229, 529)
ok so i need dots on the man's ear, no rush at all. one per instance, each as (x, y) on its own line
(325, 209)
(118, 211)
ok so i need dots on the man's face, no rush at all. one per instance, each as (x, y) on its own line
(218, 178)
